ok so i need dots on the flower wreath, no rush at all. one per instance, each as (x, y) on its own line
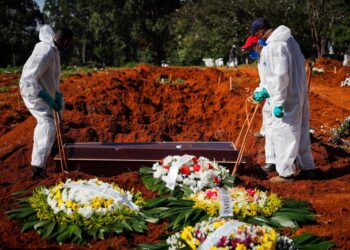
(77, 210)
(251, 205)
(185, 175)
(227, 234)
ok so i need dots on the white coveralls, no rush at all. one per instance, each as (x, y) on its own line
(266, 120)
(284, 75)
(41, 71)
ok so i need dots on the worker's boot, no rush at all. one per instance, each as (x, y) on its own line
(269, 167)
(259, 135)
(281, 179)
(38, 173)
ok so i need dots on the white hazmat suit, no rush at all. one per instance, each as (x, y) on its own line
(284, 75)
(41, 71)
(266, 127)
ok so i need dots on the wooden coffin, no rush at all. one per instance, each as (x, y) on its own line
(103, 159)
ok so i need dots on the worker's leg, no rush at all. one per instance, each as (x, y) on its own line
(305, 158)
(285, 140)
(44, 135)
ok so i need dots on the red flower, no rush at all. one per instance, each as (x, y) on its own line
(211, 194)
(210, 166)
(185, 170)
(166, 167)
(251, 191)
(196, 168)
(161, 161)
(216, 180)
(195, 160)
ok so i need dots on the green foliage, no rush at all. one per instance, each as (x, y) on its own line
(307, 241)
(180, 212)
(168, 81)
(115, 33)
(18, 21)
(204, 29)
(341, 35)
(341, 135)
(10, 69)
(70, 71)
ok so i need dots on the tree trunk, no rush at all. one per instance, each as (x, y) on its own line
(83, 51)
(13, 59)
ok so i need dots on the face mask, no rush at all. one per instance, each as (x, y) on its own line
(253, 54)
(262, 42)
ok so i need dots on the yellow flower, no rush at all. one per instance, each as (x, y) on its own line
(96, 204)
(108, 202)
(218, 224)
(72, 205)
(192, 245)
(186, 234)
(241, 247)
(213, 248)
(210, 206)
(69, 203)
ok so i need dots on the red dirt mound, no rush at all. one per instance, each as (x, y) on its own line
(178, 104)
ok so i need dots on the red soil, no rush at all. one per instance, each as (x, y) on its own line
(131, 105)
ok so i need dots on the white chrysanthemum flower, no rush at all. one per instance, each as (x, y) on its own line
(68, 211)
(52, 203)
(169, 159)
(64, 195)
(46, 191)
(179, 178)
(86, 212)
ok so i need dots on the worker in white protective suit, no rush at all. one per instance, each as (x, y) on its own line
(254, 46)
(39, 87)
(283, 72)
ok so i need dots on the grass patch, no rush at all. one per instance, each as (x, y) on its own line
(12, 70)
(168, 81)
(4, 89)
(73, 70)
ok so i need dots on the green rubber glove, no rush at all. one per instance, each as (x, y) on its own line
(278, 112)
(59, 101)
(260, 96)
(47, 98)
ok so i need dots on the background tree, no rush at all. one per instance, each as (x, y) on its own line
(208, 28)
(341, 36)
(18, 22)
(182, 32)
(323, 16)
(204, 28)
(150, 24)
(114, 32)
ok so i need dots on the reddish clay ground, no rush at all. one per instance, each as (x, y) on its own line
(132, 105)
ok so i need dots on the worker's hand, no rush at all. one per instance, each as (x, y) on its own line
(278, 112)
(47, 98)
(261, 95)
(59, 101)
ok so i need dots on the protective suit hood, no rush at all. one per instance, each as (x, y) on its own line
(46, 35)
(281, 34)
